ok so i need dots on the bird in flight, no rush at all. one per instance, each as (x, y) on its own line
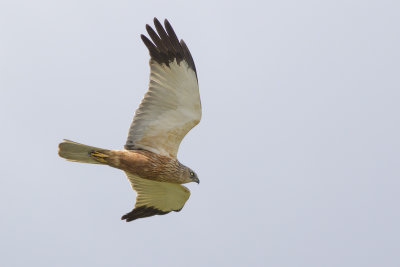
(169, 110)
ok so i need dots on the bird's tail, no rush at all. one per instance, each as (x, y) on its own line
(82, 153)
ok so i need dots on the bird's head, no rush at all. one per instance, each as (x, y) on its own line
(193, 176)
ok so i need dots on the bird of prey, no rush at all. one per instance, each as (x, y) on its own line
(169, 110)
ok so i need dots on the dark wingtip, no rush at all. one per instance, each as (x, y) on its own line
(142, 212)
(166, 46)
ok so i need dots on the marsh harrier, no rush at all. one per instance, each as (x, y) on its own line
(169, 110)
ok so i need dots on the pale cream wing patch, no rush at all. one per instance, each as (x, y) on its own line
(155, 198)
(169, 110)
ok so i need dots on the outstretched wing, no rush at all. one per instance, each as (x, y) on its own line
(155, 198)
(171, 107)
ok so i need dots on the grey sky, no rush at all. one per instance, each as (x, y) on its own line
(298, 149)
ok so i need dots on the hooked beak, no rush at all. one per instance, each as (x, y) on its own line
(195, 179)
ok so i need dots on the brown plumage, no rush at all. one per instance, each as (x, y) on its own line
(169, 110)
(148, 165)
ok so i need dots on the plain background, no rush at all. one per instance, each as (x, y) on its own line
(298, 149)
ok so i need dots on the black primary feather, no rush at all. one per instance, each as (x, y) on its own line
(165, 46)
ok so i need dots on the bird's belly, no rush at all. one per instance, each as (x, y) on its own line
(145, 164)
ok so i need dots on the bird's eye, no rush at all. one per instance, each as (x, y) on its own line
(191, 173)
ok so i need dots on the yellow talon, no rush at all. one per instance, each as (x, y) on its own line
(99, 156)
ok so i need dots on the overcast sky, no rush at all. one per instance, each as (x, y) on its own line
(298, 150)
